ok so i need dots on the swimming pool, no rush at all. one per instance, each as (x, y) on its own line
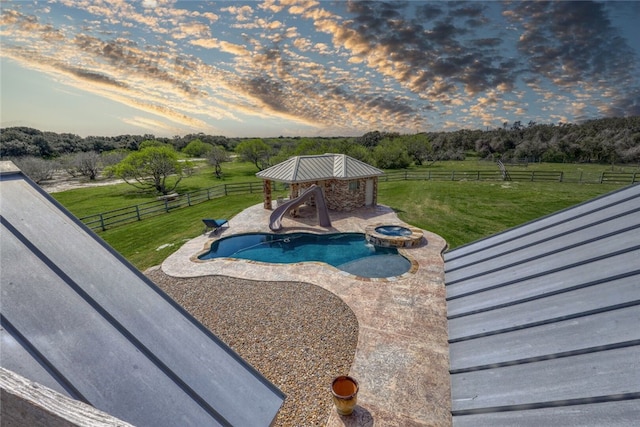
(349, 252)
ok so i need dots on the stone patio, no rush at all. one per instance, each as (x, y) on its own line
(402, 358)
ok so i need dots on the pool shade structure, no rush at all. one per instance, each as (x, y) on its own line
(347, 183)
(81, 320)
(543, 320)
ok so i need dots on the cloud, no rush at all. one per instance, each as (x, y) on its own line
(344, 65)
(572, 44)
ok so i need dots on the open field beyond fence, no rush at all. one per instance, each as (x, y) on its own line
(113, 218)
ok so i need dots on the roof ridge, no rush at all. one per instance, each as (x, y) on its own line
(296, 166)
(343, 172)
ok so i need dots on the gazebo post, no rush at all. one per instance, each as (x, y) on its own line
(266, 190)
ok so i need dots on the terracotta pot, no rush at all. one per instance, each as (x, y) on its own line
(344, 390)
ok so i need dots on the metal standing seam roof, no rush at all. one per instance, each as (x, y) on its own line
(319, 167)
(78, 318)
(544, 320)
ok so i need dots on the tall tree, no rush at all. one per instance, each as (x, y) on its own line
(88, 164)
(216, 156)
(255, 151)
(418, 147)
(154, 167)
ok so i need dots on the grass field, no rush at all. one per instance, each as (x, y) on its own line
(463, 212)
(460, 212)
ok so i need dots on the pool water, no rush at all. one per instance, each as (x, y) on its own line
(349, 252)
(393, 230)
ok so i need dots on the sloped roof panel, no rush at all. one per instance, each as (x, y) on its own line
(283, 172)
(312, 168)
(319, 167)
(105, 333)
(543, 319)
(354, 168)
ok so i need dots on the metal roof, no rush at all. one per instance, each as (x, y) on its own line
(544, 319)
(319, 167)
(78, 318)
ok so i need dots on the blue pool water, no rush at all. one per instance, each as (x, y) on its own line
(347, 251)
(393, 230)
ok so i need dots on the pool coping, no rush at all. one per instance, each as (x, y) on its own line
(402, 357)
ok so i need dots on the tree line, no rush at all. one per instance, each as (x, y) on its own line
(609, 140)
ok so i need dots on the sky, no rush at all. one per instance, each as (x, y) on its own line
(313, 68)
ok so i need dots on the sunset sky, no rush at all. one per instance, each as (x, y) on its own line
(313, 68)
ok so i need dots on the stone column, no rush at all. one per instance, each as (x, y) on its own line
(266, 190)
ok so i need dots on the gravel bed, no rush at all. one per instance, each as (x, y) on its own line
(298, 335)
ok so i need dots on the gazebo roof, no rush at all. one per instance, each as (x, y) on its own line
(319, 167)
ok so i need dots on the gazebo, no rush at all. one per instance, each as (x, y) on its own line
(347, 183)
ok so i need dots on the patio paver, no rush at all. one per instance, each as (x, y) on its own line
(402, 358)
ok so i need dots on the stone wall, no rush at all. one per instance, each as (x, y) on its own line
(340, 197)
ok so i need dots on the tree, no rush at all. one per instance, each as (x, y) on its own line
(87, 163)
(197, 148)
(418, 147)
(110, 159)
(216, 155)
(151, 168)
(359, 152)
(391, 155)
(36, 168)
(255, 151)
(370, 139)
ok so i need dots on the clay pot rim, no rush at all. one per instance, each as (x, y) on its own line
(342, 378)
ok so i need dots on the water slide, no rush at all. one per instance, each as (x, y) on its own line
(275, 221)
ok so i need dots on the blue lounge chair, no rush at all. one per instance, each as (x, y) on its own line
(214, 224)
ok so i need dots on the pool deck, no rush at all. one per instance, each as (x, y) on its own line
(402, 355)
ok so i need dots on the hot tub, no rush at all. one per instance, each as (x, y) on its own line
(393, 235)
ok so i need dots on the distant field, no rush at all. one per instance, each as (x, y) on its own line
(460, 212)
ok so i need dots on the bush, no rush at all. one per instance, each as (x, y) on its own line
(391, 155)
(36, 168)
(197, 148)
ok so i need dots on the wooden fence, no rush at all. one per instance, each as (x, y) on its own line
(514, 175)
(104, 220)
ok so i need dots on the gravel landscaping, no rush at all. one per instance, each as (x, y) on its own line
(298, 335)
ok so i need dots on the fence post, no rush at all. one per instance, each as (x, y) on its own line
(208, 194)
(478, 176)
(533, 173)
(166, 205)
(138, 213)
(601, 177)
(188, 199)
(225, 190)
(580, 179)
(561, 172)
(405, 175)
(102, 223)
(453, 175)
(633, 178)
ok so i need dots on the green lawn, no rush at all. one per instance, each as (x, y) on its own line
(463, 212)
(94, 200)
(147, 243)
(460, 212)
